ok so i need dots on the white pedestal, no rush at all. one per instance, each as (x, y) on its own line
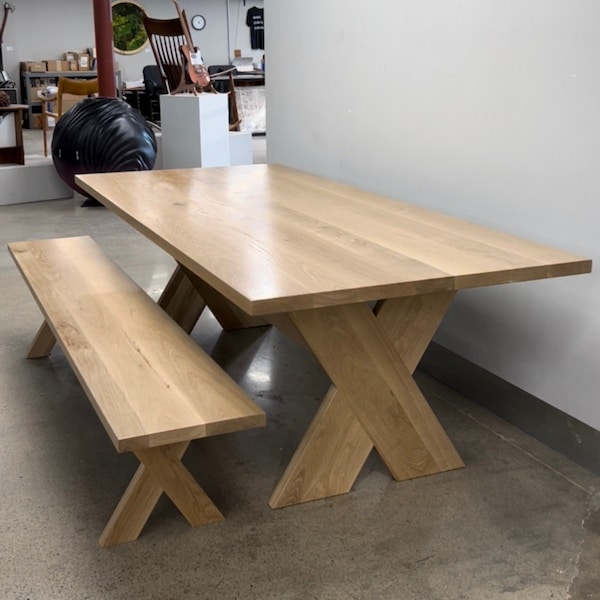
(194, 131)
(240, 148)
(7, 130)
(34, 181)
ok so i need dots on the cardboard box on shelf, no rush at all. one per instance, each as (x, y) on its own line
(79, 61)
(84, 62)
(34, 66)
(58, 65)
(36, 121)
(33, 92)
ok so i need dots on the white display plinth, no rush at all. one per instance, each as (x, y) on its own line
(34, 181)
(194, 131)
(240, 148)
(7, 130)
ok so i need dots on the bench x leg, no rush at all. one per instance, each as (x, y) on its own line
(374, 400)
(160, 470)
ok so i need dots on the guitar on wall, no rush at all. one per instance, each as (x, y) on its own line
(194, 63)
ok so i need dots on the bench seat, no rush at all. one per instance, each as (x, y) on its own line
(152, 387)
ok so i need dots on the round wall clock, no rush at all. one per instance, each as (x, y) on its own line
(198, 22)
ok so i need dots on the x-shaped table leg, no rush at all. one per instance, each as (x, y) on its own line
(181, 300)
(160, 470)
(186, 295)
(374, 400)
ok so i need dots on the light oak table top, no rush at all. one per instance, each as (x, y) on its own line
(310, 256)
(272, 239)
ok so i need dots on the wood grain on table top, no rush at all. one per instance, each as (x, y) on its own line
(274, 239)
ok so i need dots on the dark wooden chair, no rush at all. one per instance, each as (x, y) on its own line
(166, 38)
(222, 77)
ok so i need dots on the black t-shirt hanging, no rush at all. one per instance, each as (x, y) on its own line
(255, 20)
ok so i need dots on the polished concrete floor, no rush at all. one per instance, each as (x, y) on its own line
(519, 522)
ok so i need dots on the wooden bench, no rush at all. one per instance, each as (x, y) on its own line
(153, 388)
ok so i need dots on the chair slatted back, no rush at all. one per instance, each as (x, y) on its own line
(166, 37)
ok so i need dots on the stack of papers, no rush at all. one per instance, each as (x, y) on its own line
(131, 85)
(243, 64)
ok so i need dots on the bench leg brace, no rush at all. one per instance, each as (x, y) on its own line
(43, 342)
(160, 470)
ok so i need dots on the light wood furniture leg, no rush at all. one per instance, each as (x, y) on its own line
(181, 300)
(44, 126)
(152, 387)
(43, 342)
(160, 470)
(368, 367)
(228, 315)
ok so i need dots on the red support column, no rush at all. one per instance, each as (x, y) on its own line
(104, 48)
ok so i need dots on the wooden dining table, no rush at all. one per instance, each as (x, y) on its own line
(361, 280)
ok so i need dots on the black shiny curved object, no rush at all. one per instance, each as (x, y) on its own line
(101, 135)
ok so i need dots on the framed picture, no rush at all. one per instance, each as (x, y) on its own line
(129, 35)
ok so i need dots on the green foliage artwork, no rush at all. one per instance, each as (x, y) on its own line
(129, 35)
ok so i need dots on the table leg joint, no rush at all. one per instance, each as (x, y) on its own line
(374, 401)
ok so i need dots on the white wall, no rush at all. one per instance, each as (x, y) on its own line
(483, 109)
(43, 30)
